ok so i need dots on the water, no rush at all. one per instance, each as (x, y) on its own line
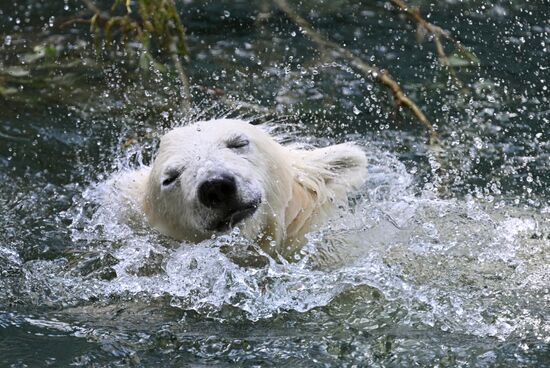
(427, 267)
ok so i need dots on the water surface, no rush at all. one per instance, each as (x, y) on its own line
(442, 259)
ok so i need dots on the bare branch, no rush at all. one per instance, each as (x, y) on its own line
(382, 76)
(438, 33)
(186, 89)
(93, 7)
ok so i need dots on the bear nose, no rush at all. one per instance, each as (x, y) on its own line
(218, 192)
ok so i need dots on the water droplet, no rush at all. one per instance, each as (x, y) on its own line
(478, 143)
(7, 40)
(356, 111)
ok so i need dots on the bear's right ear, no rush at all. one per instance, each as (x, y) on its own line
(341, 165)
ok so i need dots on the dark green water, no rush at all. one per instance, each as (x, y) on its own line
(430, 268)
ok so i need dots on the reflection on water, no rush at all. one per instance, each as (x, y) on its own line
(424, 268)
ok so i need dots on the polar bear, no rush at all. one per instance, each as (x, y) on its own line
(213, 175)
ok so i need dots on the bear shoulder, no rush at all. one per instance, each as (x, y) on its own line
(127, 191)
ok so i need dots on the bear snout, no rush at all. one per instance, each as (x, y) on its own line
(218, 192)
(221, 195)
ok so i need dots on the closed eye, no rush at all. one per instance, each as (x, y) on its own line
(170, 177)
(237, 142)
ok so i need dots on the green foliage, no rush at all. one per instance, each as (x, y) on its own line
(154, 23)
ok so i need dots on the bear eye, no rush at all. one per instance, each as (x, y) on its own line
(170, 177)
(237, 142)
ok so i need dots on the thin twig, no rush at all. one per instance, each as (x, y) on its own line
(437, 33)
(382, 76)
(93, 8)
(186, 89)
(74, 21)
(414, 13)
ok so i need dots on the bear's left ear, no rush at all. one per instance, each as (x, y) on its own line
(340, 165)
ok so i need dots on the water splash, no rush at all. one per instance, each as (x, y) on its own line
(451, 264)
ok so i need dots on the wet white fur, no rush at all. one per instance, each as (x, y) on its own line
(299, 188)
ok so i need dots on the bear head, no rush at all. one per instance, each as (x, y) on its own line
(213, 175)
